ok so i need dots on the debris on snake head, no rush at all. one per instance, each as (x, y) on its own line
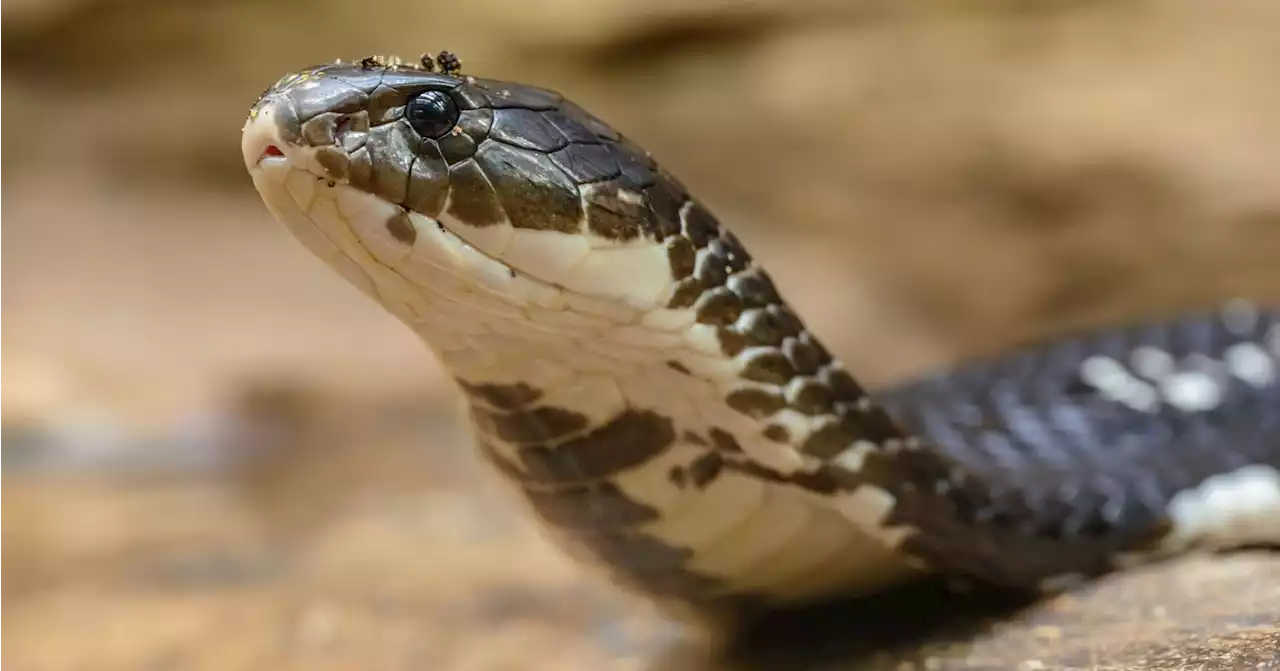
(447, 61)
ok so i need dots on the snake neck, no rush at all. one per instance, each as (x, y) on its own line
(691, 448)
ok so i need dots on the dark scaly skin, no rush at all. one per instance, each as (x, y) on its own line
(1075, 478)
(1023, 474)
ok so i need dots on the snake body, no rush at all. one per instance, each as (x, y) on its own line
(635, 374)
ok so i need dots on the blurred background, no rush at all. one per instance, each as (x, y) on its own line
(218, 455)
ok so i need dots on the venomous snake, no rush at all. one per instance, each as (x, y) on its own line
(635, 375)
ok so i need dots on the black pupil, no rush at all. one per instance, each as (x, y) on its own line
(431, 114)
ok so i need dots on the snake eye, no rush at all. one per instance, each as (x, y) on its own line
(431, 114)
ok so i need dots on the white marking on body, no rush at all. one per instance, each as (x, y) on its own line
(797, 424)
(809, 546)
(494, 239)
(740, 553)
(851, 458)
(868, 506)
(1115, 383)
(1192, 391)
(630, 197)
(549, 256)
(638, 275)
(1152, 363)
(1249, 362)
(706, 515)
(784, 460)
(862, 565)
(1228, 510)
(704, 338)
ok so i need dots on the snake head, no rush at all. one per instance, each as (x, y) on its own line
(412, 181)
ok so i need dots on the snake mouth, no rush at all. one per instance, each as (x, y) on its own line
(270, 152)
(261, 139)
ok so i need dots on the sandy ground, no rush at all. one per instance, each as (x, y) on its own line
(218, 455)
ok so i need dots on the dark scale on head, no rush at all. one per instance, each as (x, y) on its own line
(420, 135)
(611, 215)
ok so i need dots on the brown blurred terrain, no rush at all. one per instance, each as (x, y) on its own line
(217, 455)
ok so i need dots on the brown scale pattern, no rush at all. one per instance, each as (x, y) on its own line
(518, 154)
(791, 370)
(526, 156)
(563, 469)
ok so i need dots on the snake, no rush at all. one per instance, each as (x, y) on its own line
(635, 376)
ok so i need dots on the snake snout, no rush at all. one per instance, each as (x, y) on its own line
(258, 139)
